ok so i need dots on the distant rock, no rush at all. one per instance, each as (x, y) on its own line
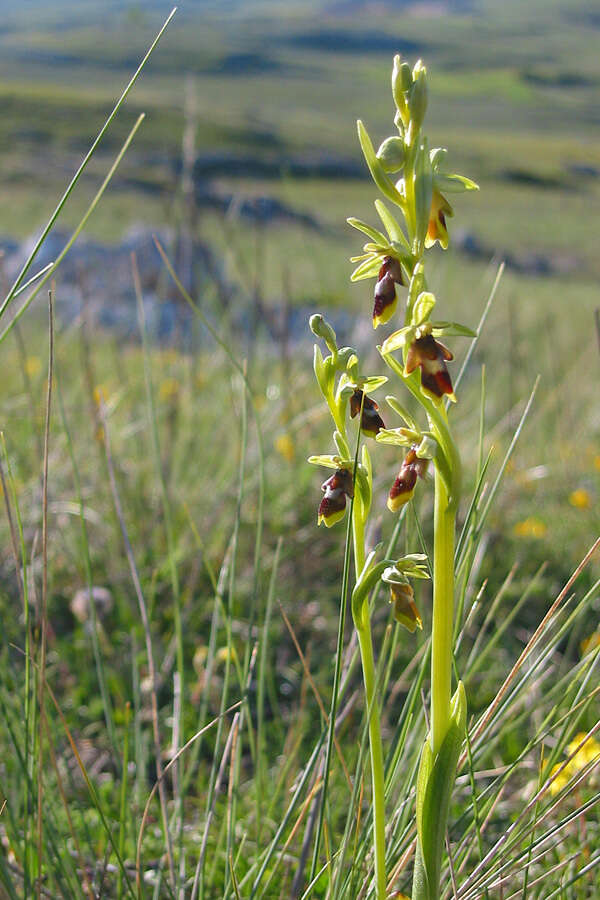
(526, 262)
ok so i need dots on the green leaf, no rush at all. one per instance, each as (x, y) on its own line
(416, 286)
(363, 492)
(344, 450)
(435, 784)
(423, 307)
(376, 169)
(392, 227)
(452, 329)
(377, 236)
(319, 367)
(454, 184)
(423, 192)
(402, 412)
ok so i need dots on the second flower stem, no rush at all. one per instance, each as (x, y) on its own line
(362, 623)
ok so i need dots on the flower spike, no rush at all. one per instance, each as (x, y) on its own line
(431, 356)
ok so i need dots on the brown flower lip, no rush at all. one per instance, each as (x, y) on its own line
(333, 505)
(431, 356)
(371, 422)
(390, 274)
(403, 487)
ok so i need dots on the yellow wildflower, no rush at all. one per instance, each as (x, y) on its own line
(33, 365)
(101, 394)
(531, 527)
(586, 754)
(169, 389)
(285, 446)
(597, 462)
(580, 499)
(590, 643)
(226, 653)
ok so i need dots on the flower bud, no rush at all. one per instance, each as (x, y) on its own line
(391, 154)
(401, 84)
(431, 356)
(333, 504)
(371, 422)
(405, 610)
(417, 98)
(321, 328)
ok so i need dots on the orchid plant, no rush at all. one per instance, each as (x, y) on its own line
(413, 178)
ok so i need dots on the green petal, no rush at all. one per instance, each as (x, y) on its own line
(454, 184)
(373, 233)
(330, 461)
(452, 329)
(423, 307)
(373, 382)
(393, 436)
(367, 269)
(397, 339)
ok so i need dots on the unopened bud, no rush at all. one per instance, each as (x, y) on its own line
(401, 84)
(405, 610)
(417, 98)
(391, 154)
(321, 328)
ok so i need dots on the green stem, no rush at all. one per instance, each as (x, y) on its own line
(377, 771)
(444, 525)
(443, 611)
(362, 624)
